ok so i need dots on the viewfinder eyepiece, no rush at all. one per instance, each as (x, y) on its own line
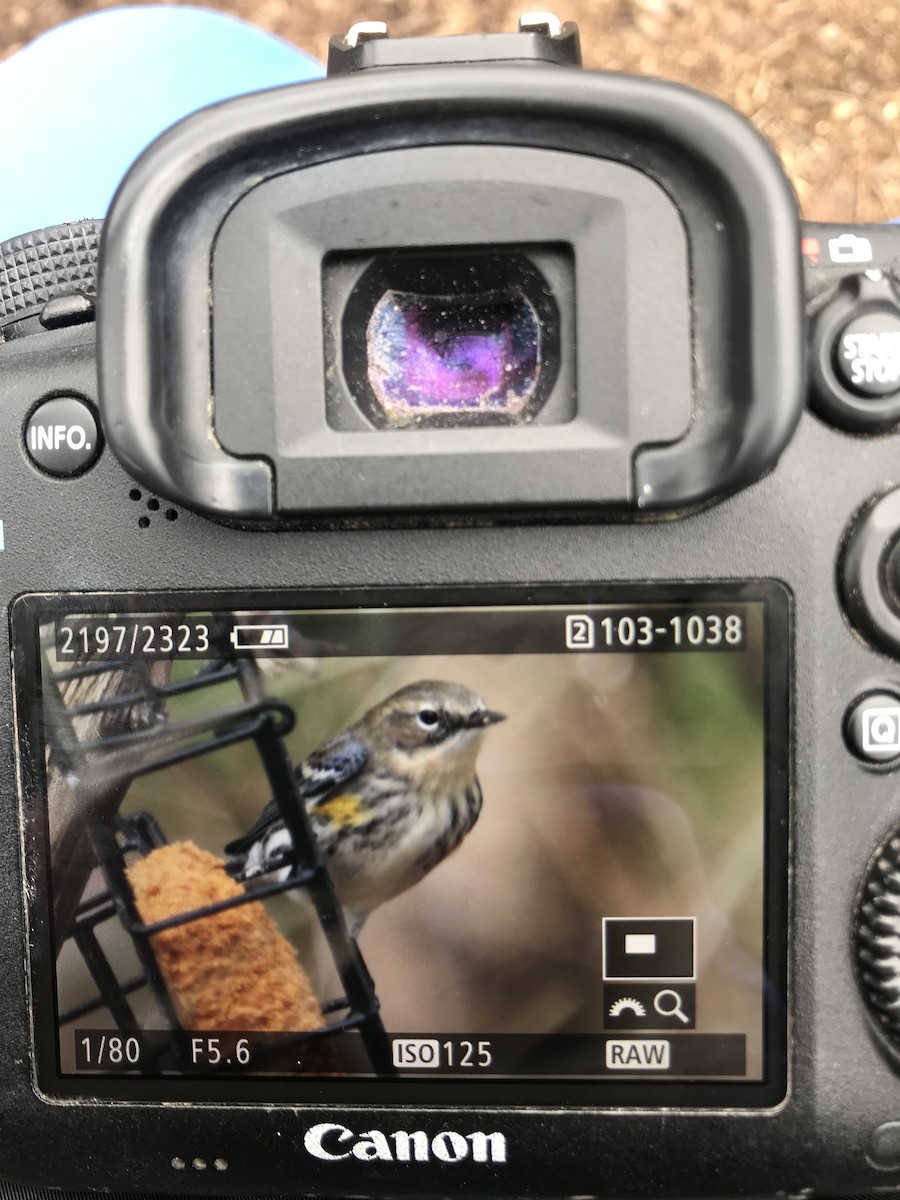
(453, 339)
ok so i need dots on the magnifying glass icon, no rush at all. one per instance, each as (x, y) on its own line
(668, 1004)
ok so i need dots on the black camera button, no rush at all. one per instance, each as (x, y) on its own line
(872, 728)
(63, 311)
(869, 573)
(867, 353)
(62, 436)
(884, 1147)
(854, 355)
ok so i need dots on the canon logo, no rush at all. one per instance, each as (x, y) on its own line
(334, 1142)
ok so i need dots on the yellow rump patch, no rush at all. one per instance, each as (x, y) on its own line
(345, 809)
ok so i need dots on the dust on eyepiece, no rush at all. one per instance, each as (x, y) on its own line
(453, 355)
(450, 337)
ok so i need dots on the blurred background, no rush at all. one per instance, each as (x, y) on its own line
(818, 77)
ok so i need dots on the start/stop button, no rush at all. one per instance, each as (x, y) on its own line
(867, 353)
(854, 355)
(62, 436)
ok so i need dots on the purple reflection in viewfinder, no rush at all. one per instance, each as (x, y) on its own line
(453, 356)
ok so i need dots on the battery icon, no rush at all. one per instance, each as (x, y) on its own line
(259, 637)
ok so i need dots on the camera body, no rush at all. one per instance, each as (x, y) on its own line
(242, 467)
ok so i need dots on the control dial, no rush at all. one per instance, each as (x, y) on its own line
(48, 279)
(869, 572)
(877, 939)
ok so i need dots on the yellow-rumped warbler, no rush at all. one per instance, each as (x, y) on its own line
(388, 799)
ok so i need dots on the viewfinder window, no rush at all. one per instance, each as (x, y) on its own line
(451, 338)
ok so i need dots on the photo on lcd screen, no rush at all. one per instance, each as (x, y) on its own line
(550, 853)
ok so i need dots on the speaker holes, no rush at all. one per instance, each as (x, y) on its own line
(178, 1163)
(220, 1164)
(199, 1164)
(151, 505)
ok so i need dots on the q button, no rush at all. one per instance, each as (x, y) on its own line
(62, 437)
(872, 729)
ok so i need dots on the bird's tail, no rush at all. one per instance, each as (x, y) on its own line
(235, 867)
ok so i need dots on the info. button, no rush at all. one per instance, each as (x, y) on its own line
(62, 437)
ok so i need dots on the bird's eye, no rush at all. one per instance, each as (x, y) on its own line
(428, 718)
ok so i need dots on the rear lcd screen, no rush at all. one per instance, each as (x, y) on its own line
(480, 842)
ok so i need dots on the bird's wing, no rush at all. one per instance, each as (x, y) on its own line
(331, 767)
(269, 816)
(320, 775)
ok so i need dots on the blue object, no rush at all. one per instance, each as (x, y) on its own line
(82, 101)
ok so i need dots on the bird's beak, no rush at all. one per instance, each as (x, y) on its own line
(483, 718)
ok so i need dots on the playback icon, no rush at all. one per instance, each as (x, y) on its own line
(660, 948)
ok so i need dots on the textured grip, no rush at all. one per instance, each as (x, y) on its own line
(878, 939)
(38, 267)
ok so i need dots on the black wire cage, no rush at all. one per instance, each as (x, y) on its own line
(108, 723)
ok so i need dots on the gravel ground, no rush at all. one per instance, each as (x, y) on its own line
(821, 78)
